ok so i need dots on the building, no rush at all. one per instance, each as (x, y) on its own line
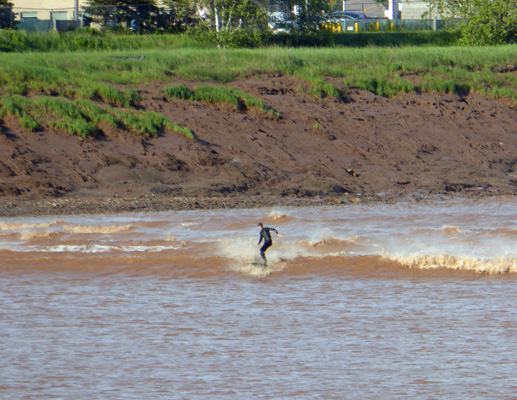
(410, 9)
(58, 10)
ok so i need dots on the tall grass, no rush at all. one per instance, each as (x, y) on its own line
(92, 40)
(88, 39)
(218, 94)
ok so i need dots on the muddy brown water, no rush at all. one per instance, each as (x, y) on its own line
(401, 301)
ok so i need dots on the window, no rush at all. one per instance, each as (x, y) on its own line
(59, 15)
(29, 15)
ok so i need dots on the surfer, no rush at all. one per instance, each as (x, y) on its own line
(265, 233)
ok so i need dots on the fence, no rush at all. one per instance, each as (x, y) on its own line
(378, 25)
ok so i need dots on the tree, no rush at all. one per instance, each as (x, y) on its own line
(6, 14)
(309, 13)
(139, 15)
(225, 22)
(484, 21)
(245, 22)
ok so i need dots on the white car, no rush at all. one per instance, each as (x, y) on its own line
(280, 27)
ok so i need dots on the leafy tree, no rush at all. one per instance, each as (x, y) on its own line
(309, 13)
(224, 22)
(230, 23)
(6, 14)
(139, 15)
(484, 21)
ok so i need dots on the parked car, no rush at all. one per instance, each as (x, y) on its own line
(349, 15)
(340, 17)
(280, 27)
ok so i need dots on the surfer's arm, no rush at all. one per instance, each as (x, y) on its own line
(274, 230)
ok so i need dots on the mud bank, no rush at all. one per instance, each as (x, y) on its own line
(355, 149)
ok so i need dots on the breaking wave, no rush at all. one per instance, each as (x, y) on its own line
(173, 259)
(485, 266)
(97, 229)
(319, 241)
(10, 226)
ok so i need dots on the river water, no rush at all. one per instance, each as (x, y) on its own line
(406, 301)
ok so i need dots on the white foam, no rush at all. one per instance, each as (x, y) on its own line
(10, 226)
(97, 248)
(97, 228)
(487, 266)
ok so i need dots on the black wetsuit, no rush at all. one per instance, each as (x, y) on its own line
(266, 235)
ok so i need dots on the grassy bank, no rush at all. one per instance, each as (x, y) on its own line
(384, 71)
(89, 39)
(110, 77)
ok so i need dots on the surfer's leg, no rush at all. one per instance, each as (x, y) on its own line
(263, 255)
(263, 252)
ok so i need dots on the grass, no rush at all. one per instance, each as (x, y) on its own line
(218, 94)
(83, 117)
(380, 70)
(65, 88)
(87, 39)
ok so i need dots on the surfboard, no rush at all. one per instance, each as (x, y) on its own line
(258, 264)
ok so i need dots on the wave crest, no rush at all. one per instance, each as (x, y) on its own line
(98, 228)
(485, 266)
(11, 226)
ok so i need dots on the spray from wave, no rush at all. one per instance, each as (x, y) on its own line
(97, 229)
(485, 266)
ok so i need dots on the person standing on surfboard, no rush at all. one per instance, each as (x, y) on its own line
(265, 233)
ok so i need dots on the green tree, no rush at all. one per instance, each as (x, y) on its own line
(224, 22)
(140, 15)
(6, 14)
(309, 13)
(231, 23)
(484, 22)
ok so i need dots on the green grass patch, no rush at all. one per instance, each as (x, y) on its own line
(105, 93)
(149, 123)
(90, 40)
(218, 94)
(368, 39)
(20, 107)
(82, 117)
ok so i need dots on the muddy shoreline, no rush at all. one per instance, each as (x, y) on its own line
(358, 149)
(10, 208)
